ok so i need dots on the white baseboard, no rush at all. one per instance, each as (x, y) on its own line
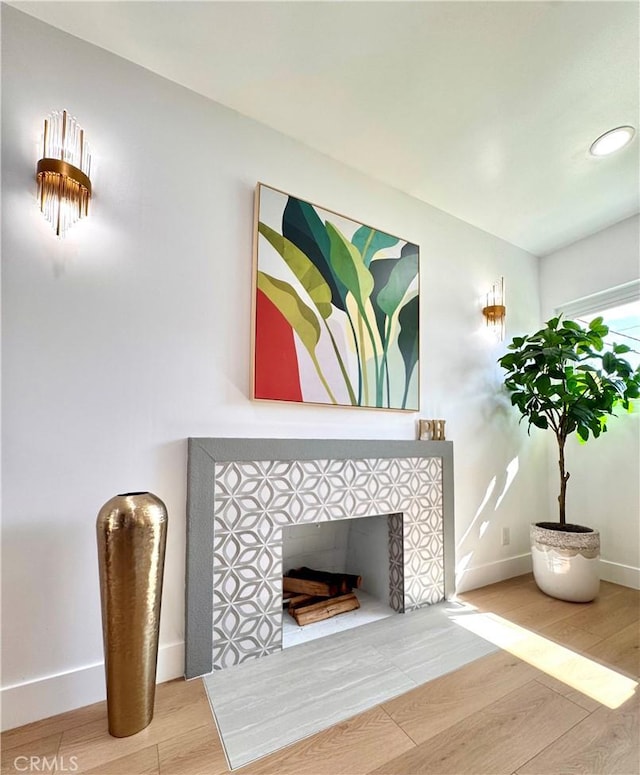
(625, 575)
(43, 697)
(491, 572)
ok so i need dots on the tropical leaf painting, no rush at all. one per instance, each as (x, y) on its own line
(337, 309)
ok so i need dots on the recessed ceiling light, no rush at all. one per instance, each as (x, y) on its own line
(612, 141)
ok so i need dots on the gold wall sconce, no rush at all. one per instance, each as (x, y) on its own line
(495, 310)
(64, 187)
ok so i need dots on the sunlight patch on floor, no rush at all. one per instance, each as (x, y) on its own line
(601, 683)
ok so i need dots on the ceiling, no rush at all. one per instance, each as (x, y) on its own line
(483, 109)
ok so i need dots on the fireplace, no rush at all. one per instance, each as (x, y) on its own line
(356, 551)
(243, 492)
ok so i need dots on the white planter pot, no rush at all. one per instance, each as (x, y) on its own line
(566, 565)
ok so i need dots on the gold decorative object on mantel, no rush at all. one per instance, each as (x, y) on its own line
(432, 430)
(64, 187)
(131, 532)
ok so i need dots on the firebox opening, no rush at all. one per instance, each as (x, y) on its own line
(359, 547)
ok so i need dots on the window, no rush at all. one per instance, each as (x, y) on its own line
(624, 327)
(620, 309)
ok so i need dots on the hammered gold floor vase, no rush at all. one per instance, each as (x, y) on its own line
(132, 533)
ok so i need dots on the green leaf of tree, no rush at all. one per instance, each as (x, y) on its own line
(539, 421)
(307, 273)
(633, 391)
(597, 327)
(543, 384)
(609, 362)
(369, 241)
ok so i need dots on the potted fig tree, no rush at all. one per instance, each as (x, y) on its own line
(563, 378)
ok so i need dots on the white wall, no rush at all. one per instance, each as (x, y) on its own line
(604, 489)
(134, 333)
(608, 258)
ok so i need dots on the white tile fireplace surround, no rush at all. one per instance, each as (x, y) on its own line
(241, 492)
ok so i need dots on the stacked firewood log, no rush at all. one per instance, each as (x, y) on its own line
(313, 595)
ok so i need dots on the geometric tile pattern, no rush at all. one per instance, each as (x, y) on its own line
(254, 500)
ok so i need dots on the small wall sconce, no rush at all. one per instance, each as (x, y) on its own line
(64, 187)
(495, 310)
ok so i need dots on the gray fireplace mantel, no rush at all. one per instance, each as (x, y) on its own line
(208, 455)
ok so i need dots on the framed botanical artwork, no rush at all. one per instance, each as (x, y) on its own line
(336, 308)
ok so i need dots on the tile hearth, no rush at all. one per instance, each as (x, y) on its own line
(263, 705)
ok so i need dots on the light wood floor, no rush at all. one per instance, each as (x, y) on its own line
(496, 715)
